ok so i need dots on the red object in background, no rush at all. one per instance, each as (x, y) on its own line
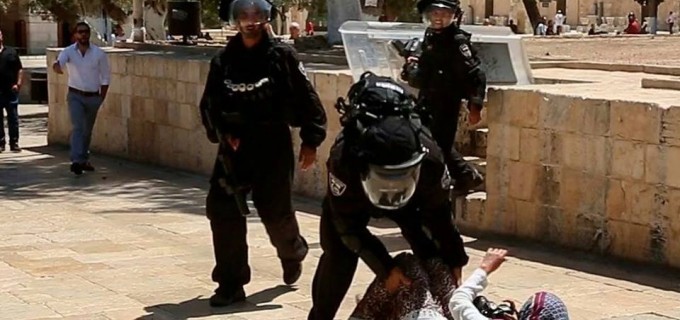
(309, 28)
(633, 28)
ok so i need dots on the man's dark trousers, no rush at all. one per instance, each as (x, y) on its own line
(9, 102)
(445, 113)
(265, 159)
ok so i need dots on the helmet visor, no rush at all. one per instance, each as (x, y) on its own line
(249, 12)
(391, 187)
(438, 16)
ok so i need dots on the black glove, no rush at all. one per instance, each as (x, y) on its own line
(408, 73)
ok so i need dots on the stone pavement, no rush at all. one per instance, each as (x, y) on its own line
(131, 242)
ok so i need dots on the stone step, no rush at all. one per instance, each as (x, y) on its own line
(472, 142)
(470, 210)
(666, 84)
(479, 163)
(479, 142)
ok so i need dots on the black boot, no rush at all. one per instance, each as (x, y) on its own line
(468, 181)
(292, 269)
(76, 168)
(223, 299)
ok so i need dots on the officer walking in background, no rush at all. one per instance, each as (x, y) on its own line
(383, 164)
(255, 89)
(447, 71)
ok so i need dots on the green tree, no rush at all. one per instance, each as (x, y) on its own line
(210, 9)
(210, 14)
(649, 8)
(71, 10)
(399, 10)
(532, 11)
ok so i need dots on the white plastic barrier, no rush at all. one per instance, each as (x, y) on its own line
(367, 49)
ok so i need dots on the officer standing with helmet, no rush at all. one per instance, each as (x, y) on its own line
(383, 164)
(256, 89)
(447, 71)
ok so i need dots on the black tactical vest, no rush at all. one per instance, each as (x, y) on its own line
(258, 93)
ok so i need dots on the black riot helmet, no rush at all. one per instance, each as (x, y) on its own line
(386, 139)
(246, 11)
(391, 153)
(439, 14)
(373, 97)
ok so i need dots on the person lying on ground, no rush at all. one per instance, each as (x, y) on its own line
(467, 304)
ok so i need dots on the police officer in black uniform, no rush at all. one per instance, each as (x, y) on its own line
(256, 88)
(447, 71)
(382, 164)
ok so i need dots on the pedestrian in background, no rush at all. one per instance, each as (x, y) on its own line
(88, 83)
(10, 84)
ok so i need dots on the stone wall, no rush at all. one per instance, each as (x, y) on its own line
(41, 34)
(592, 174)
(151, 113)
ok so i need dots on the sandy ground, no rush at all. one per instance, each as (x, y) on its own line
(631, 50)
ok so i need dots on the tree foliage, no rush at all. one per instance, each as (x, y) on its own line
(71, 10)
(119, 10)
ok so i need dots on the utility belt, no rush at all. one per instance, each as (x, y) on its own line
(271, 110)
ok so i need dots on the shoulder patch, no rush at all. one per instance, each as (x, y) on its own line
(446, 179)
(301, 67)
(389, 86)
(337, 187)
(465, 50)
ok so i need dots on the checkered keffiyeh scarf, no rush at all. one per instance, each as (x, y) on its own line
(426, 298)
(544, 306)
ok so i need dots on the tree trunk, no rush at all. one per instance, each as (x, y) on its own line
(340, 11)
(154, 19)
(114, 11)
(532, 11)
(137, 20)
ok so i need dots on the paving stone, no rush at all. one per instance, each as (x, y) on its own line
(134, 313)
(14, 308)
(645, 316)
(91, 304)
(80, 317)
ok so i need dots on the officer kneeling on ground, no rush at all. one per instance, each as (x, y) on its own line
(255, 89)
(447, 71)
(383, 164)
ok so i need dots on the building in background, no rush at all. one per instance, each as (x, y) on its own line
(574, 10)
(33, 32)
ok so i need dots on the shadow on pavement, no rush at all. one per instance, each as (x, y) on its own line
(199, 306)
(664, 278)
(659, 277)
(41, 174)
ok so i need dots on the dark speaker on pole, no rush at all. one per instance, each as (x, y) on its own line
(184, 18)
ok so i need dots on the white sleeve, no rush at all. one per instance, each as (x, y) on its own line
(461, 301)
(63, 57)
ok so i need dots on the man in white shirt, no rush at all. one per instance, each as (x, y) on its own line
(88, 82)
(541, 306)
(559, 20)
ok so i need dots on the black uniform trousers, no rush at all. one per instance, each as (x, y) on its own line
(445, 113)
(337, 265)
(265, 159)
